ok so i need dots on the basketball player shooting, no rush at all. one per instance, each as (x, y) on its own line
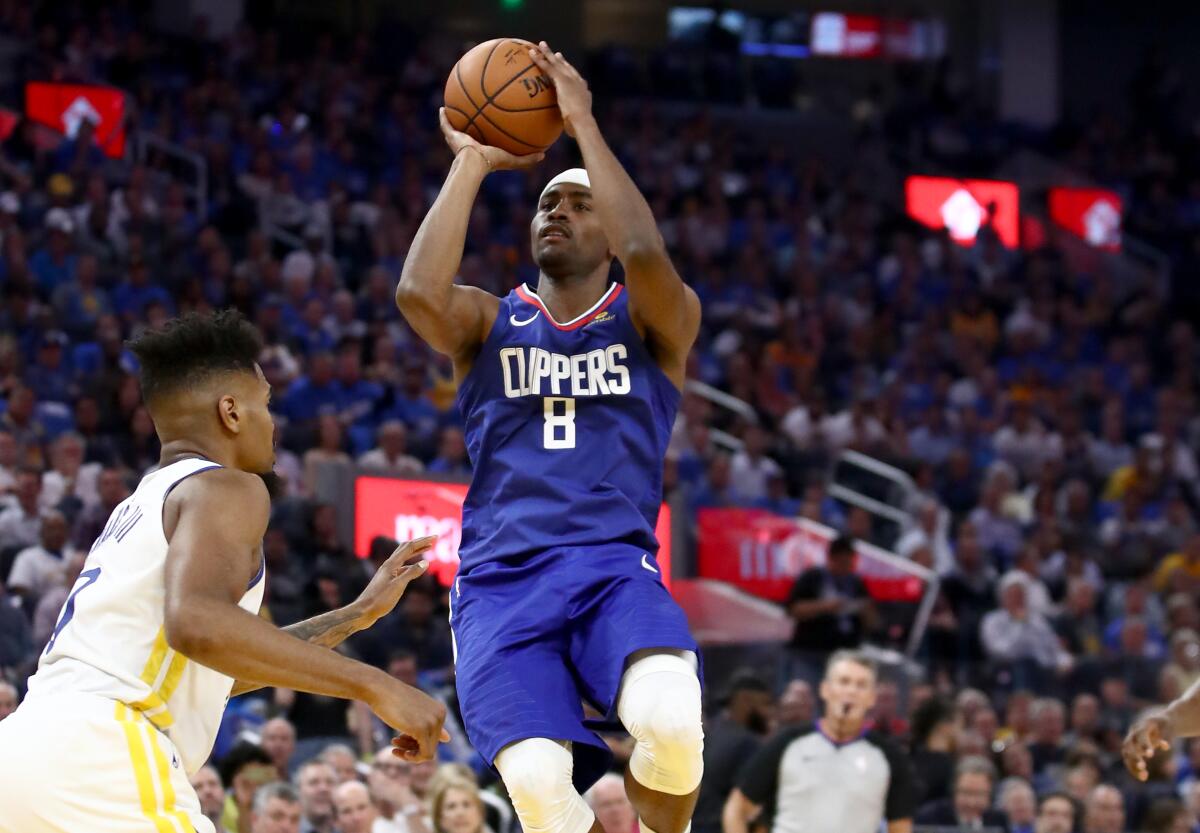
(568, 391)
(130, 689)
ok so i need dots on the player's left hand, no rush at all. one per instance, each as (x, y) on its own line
(386, 587)
(574, 97)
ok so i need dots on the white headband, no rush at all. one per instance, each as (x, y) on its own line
(572, 176)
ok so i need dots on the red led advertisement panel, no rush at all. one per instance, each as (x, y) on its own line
(64, 107)
(838, 35)
(763, 553)
(407, 509)
(847, 35)
(964, 206)
(8, 121)
(1091, 213)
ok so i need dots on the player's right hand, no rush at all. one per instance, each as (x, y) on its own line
(497, 159)
(1149, 734)
(415, 715)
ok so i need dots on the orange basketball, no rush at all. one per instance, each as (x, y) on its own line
(497, 95)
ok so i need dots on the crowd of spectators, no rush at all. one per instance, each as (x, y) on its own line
(1048, 415)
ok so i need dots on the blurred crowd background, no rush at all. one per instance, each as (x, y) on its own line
(1047, 412)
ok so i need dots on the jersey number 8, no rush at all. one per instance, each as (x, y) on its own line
(557, 422)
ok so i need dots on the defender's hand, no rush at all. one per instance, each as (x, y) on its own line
(390, 581)
(413, 713)
(1147, 736)
(497, 159)
(574, 97)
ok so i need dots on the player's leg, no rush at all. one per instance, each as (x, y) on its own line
(660, 705)
(516, 689)
(633, 652)
(71, 762)
(539, 776)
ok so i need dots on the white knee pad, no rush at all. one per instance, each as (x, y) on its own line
(537, 774)
(660, 706)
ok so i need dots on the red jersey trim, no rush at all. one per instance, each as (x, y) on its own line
(530, 297)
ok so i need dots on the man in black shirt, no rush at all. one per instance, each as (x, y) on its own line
(970, 588)
(729, 741)
(831, 609)
(935, 725)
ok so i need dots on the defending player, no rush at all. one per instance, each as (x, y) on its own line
(130, 689)
(568, 393)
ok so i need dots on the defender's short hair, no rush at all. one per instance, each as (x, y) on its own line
(189, 349)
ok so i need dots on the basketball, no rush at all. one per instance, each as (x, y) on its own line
(497, 95)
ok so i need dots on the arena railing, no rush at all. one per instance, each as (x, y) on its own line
(884, 491)
(172, 160)
(721, 399)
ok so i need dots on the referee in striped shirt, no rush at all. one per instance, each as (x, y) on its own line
(833, 777)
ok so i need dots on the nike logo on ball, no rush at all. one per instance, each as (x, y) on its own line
(646, 563)
(513, 319)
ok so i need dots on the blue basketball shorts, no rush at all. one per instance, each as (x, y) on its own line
(534, 640)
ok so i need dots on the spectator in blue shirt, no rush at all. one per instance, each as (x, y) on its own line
(80, 303)
(452, 454)
(413, 408)
(133, 294)
(933, 440)
(309, 332)
(777, 499)
(297, 273)
(314, 394)
(716, 489)
(80, 152)
(49, 376)
(54, 264)
(357, 397)
(105, 355)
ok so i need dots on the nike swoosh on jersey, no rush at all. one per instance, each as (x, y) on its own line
(513, 319)
(646, 563)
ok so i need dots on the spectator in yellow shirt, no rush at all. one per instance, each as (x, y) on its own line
(1180, 571)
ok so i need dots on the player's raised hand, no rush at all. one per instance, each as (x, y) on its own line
(497, 159)
(415, 715)
(1148, 735)
(405, 564)
(574, 97)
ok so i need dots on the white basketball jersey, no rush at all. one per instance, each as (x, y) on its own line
(110, 640)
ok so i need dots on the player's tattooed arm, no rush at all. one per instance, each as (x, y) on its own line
(215, 523)
(663, 307)
(331, 629)
(327, 630)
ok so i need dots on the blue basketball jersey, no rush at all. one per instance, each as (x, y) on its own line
(566, 426)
